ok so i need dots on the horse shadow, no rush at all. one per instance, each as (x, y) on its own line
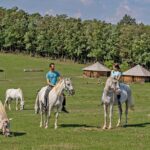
(76, 126)
(28, 109)
(141, 125)
(15, 134)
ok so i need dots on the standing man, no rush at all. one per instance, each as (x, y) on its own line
(52, 78)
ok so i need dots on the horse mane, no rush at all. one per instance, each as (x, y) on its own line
(2, 111)
(57, 85)
(106, 84)
(109, 79)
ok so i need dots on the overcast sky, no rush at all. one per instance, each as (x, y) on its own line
(108, 10)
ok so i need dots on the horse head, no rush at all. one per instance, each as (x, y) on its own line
(22, 105)
(5, 126)
(112, 84)
(68, 86)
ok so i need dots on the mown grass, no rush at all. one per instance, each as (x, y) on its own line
(81, 128)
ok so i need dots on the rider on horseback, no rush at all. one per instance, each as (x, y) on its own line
(52, 77)
(116, 74)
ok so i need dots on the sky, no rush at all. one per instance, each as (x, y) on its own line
(106, 10)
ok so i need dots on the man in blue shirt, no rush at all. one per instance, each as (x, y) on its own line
(51, 78)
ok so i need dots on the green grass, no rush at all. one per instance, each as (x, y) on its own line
(78, 129)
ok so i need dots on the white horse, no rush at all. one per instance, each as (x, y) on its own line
(4, 121)
(55, 99)
(14, 94)
(109, 99)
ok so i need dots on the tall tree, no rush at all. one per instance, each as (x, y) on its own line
(127, 20)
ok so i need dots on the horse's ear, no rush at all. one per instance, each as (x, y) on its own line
(67, 78)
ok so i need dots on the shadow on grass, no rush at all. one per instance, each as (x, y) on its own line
(28, 109)
(138, 125)
(76, 125)
(17, 133)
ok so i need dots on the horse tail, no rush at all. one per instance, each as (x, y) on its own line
(6, 98)
(37, 105)
(130, 100)
(6, 93)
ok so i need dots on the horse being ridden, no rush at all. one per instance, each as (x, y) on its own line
(109, 99)
(55, 99)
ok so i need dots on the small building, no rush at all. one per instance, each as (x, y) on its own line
(136, 74)
(96, 70)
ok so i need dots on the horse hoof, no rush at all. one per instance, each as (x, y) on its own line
(110, 128)
(46, 127)
(125, 125)
(55, 128)
(104, 127)
(118, 125)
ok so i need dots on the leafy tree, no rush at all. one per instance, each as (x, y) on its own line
(127, 20)
(141, 50)
(63, 37)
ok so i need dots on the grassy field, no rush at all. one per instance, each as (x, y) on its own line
(81, 128)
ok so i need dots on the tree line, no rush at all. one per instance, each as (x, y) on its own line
(82, 41)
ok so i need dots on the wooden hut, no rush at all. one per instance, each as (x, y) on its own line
(96, 70)
(136, 74)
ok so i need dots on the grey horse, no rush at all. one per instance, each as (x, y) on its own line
(109, 99)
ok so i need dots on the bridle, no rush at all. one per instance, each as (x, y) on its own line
(66, 88)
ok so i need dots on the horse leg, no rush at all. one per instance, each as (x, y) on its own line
(41, 113)
(9, 104)
(126, 113)
(105, 116)
(110, 116)
(48, 114)
(45, 118)
(41, 122)
(120, 114)
(16, 104)
(6, 103)
(56, 118)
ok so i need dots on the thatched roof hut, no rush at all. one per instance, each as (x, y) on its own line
(96, 70)
(136, 74)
